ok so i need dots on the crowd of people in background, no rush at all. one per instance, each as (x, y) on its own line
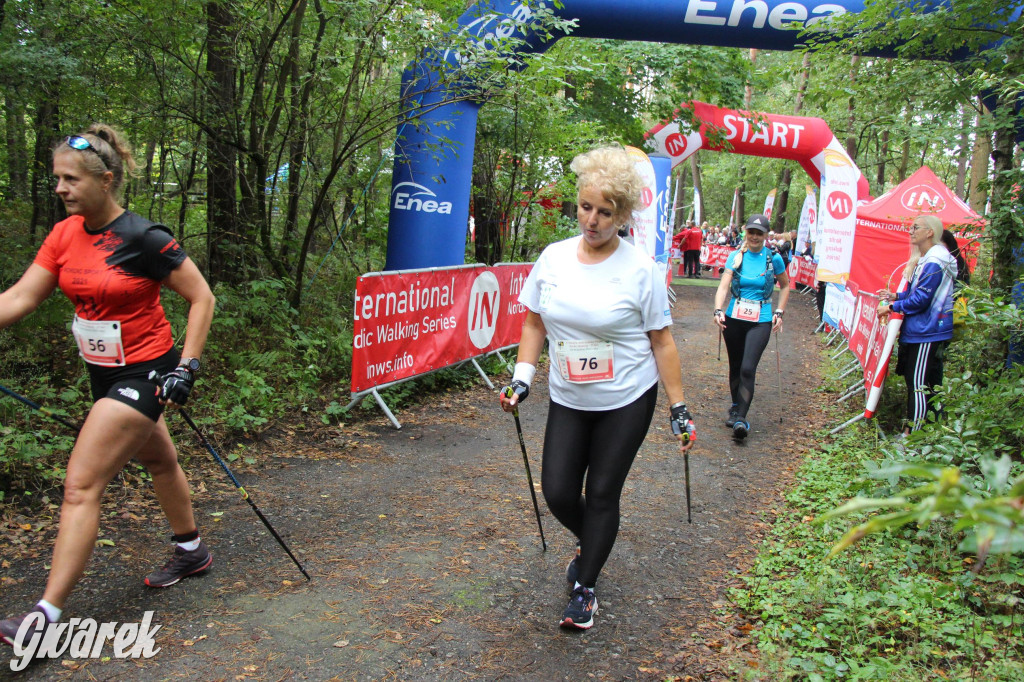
(687, 243)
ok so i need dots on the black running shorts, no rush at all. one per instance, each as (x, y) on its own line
(131, 385)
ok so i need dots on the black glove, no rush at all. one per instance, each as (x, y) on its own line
(682, 422)
(176, 385)
(517, 387)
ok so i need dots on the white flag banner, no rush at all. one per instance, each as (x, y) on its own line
(645, 218)
(837, 214)
(697, 217)
(807, 230)
(769, 204)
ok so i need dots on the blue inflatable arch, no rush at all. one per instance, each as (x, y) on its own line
(430, 190)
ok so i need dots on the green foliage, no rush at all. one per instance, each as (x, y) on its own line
(928, 582)
(900, 605)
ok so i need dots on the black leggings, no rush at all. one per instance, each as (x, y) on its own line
(745, 342)
(921, 365)
(599, 446)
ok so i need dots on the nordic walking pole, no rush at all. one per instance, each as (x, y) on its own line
(40, 408)
(245, 495)
(719, 344)
(778, 365)
(686, 469)
(529, 476)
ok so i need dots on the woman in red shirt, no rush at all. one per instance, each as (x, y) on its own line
(111, 264)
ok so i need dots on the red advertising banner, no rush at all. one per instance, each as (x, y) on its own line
(412, 322)
(801, 271)
(865, 327)
(714, 256)
(874, 362)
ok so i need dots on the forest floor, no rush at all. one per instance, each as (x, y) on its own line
(423, 546)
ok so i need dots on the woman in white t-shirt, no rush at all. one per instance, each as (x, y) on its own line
(603, 308)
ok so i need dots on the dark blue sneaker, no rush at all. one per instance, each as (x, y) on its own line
(580, 612)
(733, 416)
(572, 571)
(740, 429)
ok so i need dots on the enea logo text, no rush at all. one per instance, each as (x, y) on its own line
(410, 196)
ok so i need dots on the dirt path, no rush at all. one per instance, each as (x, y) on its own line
(424, 550)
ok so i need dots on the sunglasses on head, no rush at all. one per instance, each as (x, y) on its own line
(81, 144)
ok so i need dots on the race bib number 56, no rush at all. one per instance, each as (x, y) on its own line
(584, 362)
(99, 341)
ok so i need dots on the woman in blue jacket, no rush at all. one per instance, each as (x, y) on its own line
(927, 308)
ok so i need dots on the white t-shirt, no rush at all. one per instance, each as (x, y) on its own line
(597, 313)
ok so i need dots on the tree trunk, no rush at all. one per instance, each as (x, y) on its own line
(748, 97)
(223, 245)
(47, 209)
(851, 121)
(979, 160)
(1003, 229)
(883, 157)
(786, 177)
(488, 223)
(17, 147)
(963, 155)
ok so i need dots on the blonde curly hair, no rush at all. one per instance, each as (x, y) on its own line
(611, 171)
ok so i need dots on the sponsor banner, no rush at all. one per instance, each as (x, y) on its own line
(836, 214)
(715, 256)
(645, 218)
(807, 230)
(801, 271)
(409, 323)
(832, 312)
(769, 203)
(865, 328)
(847, 308)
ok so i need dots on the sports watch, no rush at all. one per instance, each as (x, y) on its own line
(191, 364)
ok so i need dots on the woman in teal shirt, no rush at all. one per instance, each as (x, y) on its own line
(748, 321)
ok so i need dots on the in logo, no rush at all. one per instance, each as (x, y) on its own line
(484, 300)
(675, 144)
(922, 198)
(410, 196)
(839, 204)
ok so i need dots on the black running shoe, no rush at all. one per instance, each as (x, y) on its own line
(740, 429)
(181, 565)
(9, 626)
(730, 421)
(572, 571)
(580, 612)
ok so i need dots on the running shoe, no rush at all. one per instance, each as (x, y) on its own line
(740, 429)
(9, 626)
(181, 565)
(733, 416)
(580, 612)
(572, 571)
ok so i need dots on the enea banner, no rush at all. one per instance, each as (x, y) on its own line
(413, 322)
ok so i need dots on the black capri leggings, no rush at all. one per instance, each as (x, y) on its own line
(599, 446)
(745, 343)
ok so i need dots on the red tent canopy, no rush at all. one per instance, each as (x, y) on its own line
(881, 244)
